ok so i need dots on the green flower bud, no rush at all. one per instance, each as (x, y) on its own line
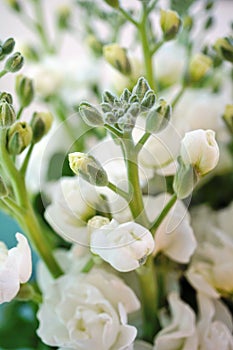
(125, 96)
(95, 45)
(41, 123)
(185, 180)
(228, 117)
(25, 293)
(88, 168)
(63, 16)
(90, 115)
(14, 4)
(108, 97)
(19, 137)
(25, 90)
(141, 88)
(149, 99)
(113, 3)
(224, 47)
(3, 188)
(6, 96)
(127, 122)
(8, 46)
(14, 62)
(158, 117)
(7, 114)
(106, 107)
(199, 66)
(170, 23)
(117, 57)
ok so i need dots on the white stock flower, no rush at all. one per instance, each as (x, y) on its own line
(211, 271)
(125, 246)
(174, 236)
(200, 149)
(15, 268)
(74, 202)
(87, 311)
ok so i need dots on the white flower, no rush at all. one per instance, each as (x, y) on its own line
(87, 311)
(74, 202)
(15, 268)
(200, 149)
(179, 334)
(125, 246)
(210, 271)
(174, 236)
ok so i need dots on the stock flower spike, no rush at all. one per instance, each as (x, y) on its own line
(116, 164)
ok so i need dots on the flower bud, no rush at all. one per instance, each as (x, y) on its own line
(41, 123)
(14, 4)
(200, 149)
(224, 47)
(141, 88)
(108, 97)
(19, 137)
(25, 293)
(158, 117)
(198, 67)
(117, 57)
(7, 114)
(7, 97)
(63, 16)
(3, 188)
(14, 62)
(149, 99)
(125, 96)
(8, 46)
(88, 168)
(25, 90)
(185, 180)
(170, 23)
(228, 117)
(90, 115)
(113, 3)
(95, 45)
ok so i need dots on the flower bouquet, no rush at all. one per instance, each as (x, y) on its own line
(116, 163)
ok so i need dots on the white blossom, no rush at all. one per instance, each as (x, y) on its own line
(87, 311)
(200, 149)
(15, 268)
(174, 237)
(125, 246)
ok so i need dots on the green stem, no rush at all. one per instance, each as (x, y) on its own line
(3, 72)
(149, 299)
(128, 17)
(142, 141)
(20, 112)
(113, 130)
(178, 96)
(24, 166)
(41, 27)
(118, 190)
(156, 47)
(163, 213)
(146, 49)
(12, 205)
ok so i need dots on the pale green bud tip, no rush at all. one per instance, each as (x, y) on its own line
(41, 124)
(90, 115)
(8, 46)
(7, 114)
(3, 188)
(63, 16)
(25, 293)
(224, 47)
(158, 117)
(228, 117)
(117, 57)
(25, 90)
(6, 96)
(113, 3)
(88, 168)
(199, 66)
(14, 62)
(185, 180)
(19, 137)
(170, 23)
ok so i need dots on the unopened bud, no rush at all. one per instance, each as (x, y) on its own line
(224, 47)
(88, 168)
(63, 17)
(125, 96)
(90, 115)
(41, 123)
(108, 97)
(141, 88)
(170, 23)
(149, 99)
(14, 4)
(25, 90)
(113, 3)
(158, 117)
(8, 46)
(14, 63)
(228, 117)
(95, 44)
(19, 137)
(6, 96)
(185, 180)
(117, 57)
(3, 188)
(199, 66)
(7, 114)
(25, 293)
